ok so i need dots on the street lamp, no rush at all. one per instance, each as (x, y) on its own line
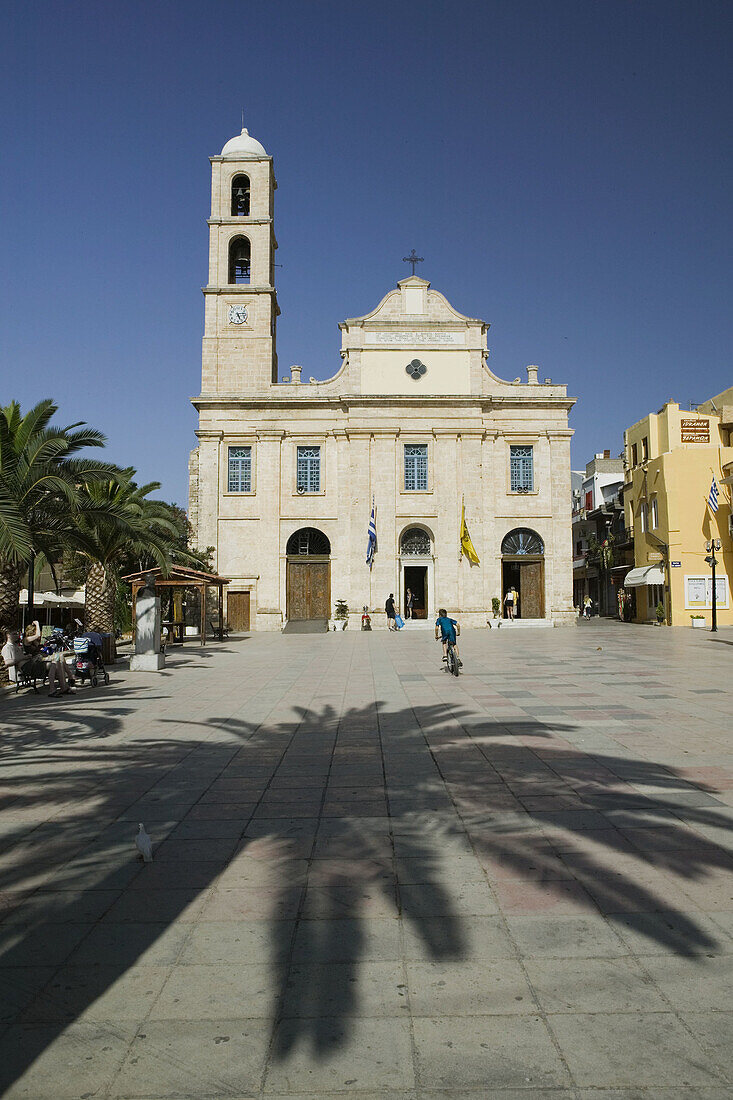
(606, 564)
(712, 561)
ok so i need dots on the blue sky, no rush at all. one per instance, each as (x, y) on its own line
(563, 167)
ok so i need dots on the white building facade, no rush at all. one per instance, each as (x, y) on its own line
(286, 472)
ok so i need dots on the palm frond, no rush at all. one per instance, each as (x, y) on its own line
(16, 544)
(34, 422)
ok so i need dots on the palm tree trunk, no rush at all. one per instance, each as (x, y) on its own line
(10, 577)
(99, 606)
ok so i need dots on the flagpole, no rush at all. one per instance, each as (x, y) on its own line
(371, 567)
(460, 555)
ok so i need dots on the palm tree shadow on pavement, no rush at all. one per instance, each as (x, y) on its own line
(345, 812)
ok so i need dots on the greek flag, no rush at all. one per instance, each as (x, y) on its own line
(713, 497)
(372, 543)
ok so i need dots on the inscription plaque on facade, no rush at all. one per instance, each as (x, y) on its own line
(456, 339)
(695, 431)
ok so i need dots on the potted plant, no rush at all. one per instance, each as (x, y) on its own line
(698, 622)
(341, 615)
(660, 613)
(496, 606)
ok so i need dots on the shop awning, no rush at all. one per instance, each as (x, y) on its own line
(52, 599)
(645, 574)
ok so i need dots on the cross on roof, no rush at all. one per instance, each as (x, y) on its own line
(413, 259)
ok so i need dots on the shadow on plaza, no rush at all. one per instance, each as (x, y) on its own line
(305, 800)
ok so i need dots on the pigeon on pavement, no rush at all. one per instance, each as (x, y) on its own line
(144, 844)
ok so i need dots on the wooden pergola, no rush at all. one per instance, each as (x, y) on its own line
(181, 577)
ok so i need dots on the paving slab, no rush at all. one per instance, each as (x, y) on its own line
(489, 1051)
(375, 880)
(632, 1049)
(340, 1053)
(193, 1059)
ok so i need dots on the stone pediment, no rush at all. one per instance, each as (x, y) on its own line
(412, 302)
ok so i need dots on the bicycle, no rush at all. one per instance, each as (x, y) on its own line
(452, 663)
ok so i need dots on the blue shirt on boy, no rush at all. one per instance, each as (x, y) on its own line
(447, 628)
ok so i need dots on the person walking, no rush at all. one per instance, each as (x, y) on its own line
(389, 607)
(509, 603)
(409, 604)
(515, 604)
(587, 607)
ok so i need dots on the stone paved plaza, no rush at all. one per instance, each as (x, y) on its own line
(374, 880)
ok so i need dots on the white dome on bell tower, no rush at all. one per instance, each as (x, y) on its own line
(243, 145)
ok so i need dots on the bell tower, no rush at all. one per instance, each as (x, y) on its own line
(238, 354)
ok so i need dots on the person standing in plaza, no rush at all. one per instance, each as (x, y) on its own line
(509, 603)
(390, 610)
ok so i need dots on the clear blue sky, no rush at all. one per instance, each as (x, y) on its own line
(563, 167)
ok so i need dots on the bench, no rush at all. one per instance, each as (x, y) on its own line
(213, 627)
(27, 680)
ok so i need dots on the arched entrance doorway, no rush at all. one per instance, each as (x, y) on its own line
(308, 585)
(523, 568)
(416, 571)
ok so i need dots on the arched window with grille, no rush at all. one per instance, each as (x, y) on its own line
(239, 260)
(415, 543)
(308, 542)
(240, 197)
(521, 541)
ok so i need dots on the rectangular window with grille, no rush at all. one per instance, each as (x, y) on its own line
(521, 469)
(240, 470)
(308, 475)
(416, 466)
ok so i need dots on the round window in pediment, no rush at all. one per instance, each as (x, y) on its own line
(416, 369)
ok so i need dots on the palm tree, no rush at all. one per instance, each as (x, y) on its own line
(118, 521)
(41, 489)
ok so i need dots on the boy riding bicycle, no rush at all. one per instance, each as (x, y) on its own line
(448, 629)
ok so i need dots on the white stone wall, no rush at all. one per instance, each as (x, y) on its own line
(362, 454)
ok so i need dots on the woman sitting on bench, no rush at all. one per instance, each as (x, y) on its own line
(25, 668)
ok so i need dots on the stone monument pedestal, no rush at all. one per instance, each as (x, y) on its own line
(147, 662)
(147, 656)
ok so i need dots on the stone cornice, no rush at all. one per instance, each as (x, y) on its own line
(301, 397)
(241, 156)
(238, 288)
(369, 432)
(239, 222)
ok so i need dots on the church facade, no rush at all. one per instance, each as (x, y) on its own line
(413, 425)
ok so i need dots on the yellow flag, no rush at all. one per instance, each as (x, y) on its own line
(467, 546)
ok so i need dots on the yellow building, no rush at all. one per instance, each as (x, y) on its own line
(671, 458)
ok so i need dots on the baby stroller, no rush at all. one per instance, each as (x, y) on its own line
(88, 661)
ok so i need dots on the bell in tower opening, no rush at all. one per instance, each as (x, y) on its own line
(240, 197)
